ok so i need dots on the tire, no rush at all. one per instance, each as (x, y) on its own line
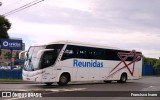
(123, 78)
(49, 84)
(63, 80)
(107, 81)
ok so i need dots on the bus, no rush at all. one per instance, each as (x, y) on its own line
(68, 61)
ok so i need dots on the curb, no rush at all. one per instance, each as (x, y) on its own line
(18, 82)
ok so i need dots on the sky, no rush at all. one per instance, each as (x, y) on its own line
(126, 24)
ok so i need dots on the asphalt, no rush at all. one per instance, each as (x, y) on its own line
(80, 89)
(14, 82)
(30, 82)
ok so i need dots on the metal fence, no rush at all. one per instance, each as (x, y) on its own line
(149, 70)
(11, 74)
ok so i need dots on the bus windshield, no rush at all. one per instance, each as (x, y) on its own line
(31, 62)
(45, 59)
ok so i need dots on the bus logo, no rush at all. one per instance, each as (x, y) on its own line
(92, 63)
(5, 43)
(123, 57)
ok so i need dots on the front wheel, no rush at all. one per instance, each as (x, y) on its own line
(63, 80)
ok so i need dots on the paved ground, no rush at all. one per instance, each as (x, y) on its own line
(148, 83)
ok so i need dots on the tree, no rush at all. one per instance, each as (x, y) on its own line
(0, 3)
(8, 55)
(157, 65)
(149, 61)
(5, 25)
(17, 55)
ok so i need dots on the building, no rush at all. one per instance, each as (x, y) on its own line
(5, 57)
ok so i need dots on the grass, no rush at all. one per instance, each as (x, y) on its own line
(11, 80)
(157, 75)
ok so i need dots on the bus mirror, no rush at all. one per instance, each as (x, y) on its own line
(40, 52)
(21, 54)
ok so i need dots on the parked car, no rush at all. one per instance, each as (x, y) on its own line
(19, 61)
(16, 67)
(3, 67)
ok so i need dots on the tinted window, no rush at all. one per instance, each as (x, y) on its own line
(48, 59)
(92, 53)
(70, 52)
(56, 47)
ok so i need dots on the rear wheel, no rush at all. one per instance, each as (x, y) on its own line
(49, 84)
(107, 81)
(63, 80)
(123, 78)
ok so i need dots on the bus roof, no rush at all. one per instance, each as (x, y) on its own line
(83, 44)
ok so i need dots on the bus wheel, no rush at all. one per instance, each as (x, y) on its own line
(48, 84)
(63, 80)
(123, 78)
(107, 81)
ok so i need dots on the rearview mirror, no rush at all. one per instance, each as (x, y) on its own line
(21, 54)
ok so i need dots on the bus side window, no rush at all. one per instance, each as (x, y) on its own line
(89, 53)
(82, 52)
(48, 59)
(69, 53)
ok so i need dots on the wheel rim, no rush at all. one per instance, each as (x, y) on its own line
(123, 78)
(63, 79)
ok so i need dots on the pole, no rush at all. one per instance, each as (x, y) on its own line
(11, 59)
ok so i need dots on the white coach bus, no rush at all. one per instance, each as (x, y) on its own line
(65, 61)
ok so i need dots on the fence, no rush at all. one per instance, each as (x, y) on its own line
(12, 74)
(149, 70)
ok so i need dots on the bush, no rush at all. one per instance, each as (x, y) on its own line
(149, 61)
(157, 65)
